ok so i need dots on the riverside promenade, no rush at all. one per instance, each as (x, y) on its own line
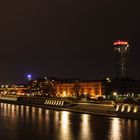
(94, 109)
(107, 110)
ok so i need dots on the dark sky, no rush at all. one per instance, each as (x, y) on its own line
(66, 38)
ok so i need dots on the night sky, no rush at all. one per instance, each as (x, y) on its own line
(66, 38)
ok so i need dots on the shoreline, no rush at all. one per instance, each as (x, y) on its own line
(82, 108)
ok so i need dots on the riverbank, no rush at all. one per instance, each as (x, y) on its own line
(107, 110)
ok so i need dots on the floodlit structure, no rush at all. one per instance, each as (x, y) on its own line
(91, 89)
(121, 50)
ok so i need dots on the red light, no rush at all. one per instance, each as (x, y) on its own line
(121, 42)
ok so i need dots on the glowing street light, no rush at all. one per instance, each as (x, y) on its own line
(114, 93)
(29, 77)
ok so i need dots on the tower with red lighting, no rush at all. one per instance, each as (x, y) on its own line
(121, 51)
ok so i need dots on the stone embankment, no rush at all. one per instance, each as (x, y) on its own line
(128, 110)
(109, 110)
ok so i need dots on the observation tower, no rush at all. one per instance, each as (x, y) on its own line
(121, 51)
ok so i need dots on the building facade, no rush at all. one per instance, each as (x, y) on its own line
(78, 89)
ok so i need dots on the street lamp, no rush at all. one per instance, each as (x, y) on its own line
(115, 94)
(29, 77)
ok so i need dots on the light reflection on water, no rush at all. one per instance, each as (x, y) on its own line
(115, 129)
(24, 122)
(65, 128)
(85, 132)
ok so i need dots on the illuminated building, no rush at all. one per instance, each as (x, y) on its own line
(42, 86)
(77, 89)
(121, 50)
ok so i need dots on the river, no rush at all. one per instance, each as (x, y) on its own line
(18, 122)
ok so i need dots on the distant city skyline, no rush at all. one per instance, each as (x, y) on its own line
(66, 39)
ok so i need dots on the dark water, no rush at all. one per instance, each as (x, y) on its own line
(30, 123)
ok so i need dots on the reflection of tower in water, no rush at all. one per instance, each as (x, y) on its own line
(121, 50)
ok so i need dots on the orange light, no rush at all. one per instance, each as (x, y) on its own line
(121, 42)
